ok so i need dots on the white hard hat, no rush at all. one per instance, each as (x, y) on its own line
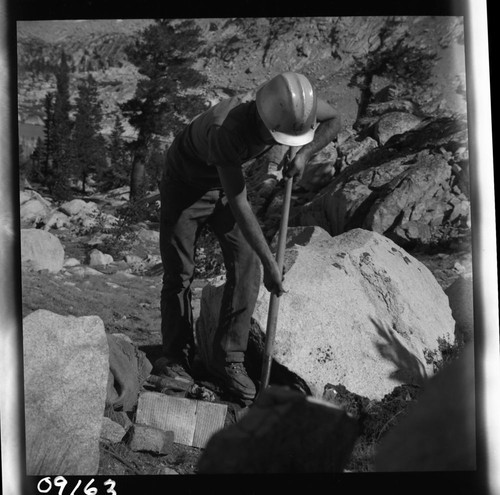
(287, 106)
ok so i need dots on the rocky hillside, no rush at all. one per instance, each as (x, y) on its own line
(238, 54)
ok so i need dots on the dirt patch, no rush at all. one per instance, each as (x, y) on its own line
(118, 460)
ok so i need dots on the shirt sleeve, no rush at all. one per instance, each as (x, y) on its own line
(224, 148)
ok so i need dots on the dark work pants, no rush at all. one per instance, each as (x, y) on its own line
(184, 211)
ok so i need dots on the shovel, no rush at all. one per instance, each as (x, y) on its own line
(272, 317)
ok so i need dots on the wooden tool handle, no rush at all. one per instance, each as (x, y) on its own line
(272, 318)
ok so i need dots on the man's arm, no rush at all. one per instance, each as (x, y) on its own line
(329, 127)
(233, 183)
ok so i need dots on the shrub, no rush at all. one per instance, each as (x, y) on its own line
(123, 235)
(446, 352)
(209, 259)
(376, 418)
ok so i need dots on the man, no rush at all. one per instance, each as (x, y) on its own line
(203, 183)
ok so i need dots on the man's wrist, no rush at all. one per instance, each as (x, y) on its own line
(268, 261)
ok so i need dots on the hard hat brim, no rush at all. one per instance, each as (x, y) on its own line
(292, 139)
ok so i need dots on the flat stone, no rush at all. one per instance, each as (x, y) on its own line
(112, 431)
(144, 438)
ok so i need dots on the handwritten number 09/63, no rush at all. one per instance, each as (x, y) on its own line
(45, 486)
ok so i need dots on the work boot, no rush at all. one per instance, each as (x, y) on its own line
(172, 368)
(234, 377)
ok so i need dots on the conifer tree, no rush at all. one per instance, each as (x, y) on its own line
(36, 159)
(61, 133)
(117, 173)
(164, 54)
(47, 151)
(37, 153)
(88, 148)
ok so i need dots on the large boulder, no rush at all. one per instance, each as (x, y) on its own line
(57, 220)
(28, 194)
(33, 208)
(85, 215)
(41, 250)
(283, 432)
(66, 366)
(359, 311)
(33, 212)
(79, 207)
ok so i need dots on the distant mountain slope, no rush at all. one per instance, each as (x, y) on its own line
(97, 42)
(239, 54)
(60, 30)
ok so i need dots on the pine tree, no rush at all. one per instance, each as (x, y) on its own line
(164, 54)
(116, 146)
(61, 133)
(154, 163)
(47, 151)
(88, 148)
(36, 159)
(117, 173)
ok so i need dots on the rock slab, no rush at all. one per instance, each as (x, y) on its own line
(193, 422)
(65, 376)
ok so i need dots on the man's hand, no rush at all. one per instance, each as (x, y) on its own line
(297, 158)
(273, 279)
(294, 168)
